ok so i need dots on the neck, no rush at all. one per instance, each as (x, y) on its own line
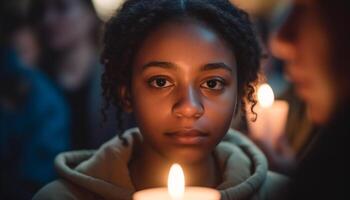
(155, 169)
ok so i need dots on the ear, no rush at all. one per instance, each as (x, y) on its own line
(125, 97)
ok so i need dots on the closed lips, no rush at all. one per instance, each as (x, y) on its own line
(189, 133)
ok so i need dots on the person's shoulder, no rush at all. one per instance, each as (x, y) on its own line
(275, 186)
(60, 189)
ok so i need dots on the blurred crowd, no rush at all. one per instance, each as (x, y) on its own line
(51, 97)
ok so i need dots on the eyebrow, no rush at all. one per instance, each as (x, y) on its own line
(219, 65)
(169, 65)
(161, 64)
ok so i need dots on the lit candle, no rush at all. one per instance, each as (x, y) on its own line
(272, 116)
(176, 189)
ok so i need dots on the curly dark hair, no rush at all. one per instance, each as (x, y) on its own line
(136, 18)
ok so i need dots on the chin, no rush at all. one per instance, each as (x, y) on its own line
(188, 156)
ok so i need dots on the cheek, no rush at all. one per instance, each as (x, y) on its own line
(149, 108)
(219, 111)
(312, 44)
(74, 25)
(61, 32)
(225, 103)
(82, 21)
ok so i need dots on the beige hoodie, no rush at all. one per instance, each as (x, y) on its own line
(104, 174)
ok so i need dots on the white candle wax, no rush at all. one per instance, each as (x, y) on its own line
(191, 193)
(271, 121)
(176, 189)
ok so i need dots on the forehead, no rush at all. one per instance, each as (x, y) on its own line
(185, 41)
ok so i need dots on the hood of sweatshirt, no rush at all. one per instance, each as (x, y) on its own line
(105, 172)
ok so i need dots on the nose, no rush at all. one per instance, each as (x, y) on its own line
(189, 104)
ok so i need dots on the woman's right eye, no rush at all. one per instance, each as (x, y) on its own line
(160, 82)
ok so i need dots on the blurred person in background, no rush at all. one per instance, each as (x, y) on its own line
(33, 117)
(26, 44)
(298, 131)
(314, 42)
(69, 31)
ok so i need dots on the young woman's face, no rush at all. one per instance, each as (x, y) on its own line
(184, 90)
(302, 41)
(66, 22)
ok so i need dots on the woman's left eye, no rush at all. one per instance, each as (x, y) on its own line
(213, 84)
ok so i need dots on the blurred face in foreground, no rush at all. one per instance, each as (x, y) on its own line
(302, 41)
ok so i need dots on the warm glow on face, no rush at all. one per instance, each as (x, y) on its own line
(265, 96)
(176, 182)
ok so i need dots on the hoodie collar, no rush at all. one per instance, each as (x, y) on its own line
(105, 171)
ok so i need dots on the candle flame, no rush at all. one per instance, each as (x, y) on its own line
(265, 95)
(176, 182)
